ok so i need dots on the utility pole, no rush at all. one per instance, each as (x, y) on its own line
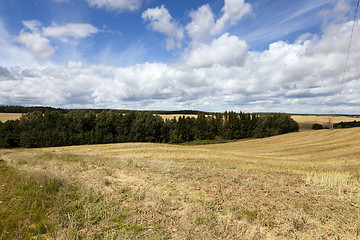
(331, 126)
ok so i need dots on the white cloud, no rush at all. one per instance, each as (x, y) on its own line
(37, 44)
(116, 5)
(225, 50)
(32, 25)
(203, 25)
(36, 41)
(341, 9)
(11, 54)
(161, 21)
(202, 22)
(338, 13)
(76, 30)
(233, 11)
(274, 22)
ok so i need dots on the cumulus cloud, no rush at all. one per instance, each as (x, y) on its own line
(202, 22)
(161, 21)
(202, 26)
(35, 37)
(37, 44)
(233, 11)
(116, 5)
(226, 50)
(76, 30)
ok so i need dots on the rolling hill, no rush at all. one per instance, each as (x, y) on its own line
(303, 185)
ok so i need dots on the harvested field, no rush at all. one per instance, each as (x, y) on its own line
(303, 185)
(306, 121)
(172, 116)
(9, 116)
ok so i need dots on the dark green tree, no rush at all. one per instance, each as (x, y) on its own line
(147, 128)
(9, 134)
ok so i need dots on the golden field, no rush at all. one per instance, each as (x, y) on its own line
(9, 116)
(303, 185)
(13, 116)
(306, 121)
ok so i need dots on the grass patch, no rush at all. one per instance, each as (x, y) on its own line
(249, 215)
(36, 206)
(25, 202)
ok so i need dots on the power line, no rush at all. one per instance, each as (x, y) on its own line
(348, 50)
(346, 61)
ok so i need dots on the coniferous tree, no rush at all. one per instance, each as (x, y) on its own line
(9, 134)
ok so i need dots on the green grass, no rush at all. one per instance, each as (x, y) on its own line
(25, 202)
(38, 207)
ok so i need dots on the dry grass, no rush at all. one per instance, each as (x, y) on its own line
(9, 116)
(306, 121)
(303, 185)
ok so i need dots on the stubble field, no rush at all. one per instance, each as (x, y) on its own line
(9, 116)
(306, 121)
(303, 185)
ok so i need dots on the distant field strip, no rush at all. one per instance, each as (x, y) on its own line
(9, 116)
(306, 121)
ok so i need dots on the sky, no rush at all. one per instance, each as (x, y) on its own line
(216, 55)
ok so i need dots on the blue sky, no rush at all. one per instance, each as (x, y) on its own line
(255, 55)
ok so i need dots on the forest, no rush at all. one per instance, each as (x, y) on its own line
(347, 124)
(78, 127)
(43, 109)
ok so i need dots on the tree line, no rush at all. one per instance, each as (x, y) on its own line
(347, 124)
(43, 109)
(350, 124)
(78, 127)
(22, 109)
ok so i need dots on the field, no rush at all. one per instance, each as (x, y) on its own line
(303, 185)
(9, 116)
(306, 121)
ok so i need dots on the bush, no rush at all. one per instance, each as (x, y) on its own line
(317, 126)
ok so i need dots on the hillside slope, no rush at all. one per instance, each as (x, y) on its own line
(301, 185)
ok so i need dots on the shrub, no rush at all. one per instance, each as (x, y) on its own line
(317, 126)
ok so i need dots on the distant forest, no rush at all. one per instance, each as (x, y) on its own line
(55, 127)
(22, 109)
(347, 124)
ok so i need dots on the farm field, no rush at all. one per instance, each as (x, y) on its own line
(13, 116)
(306, 121)
(9, 116)
(303, 185)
